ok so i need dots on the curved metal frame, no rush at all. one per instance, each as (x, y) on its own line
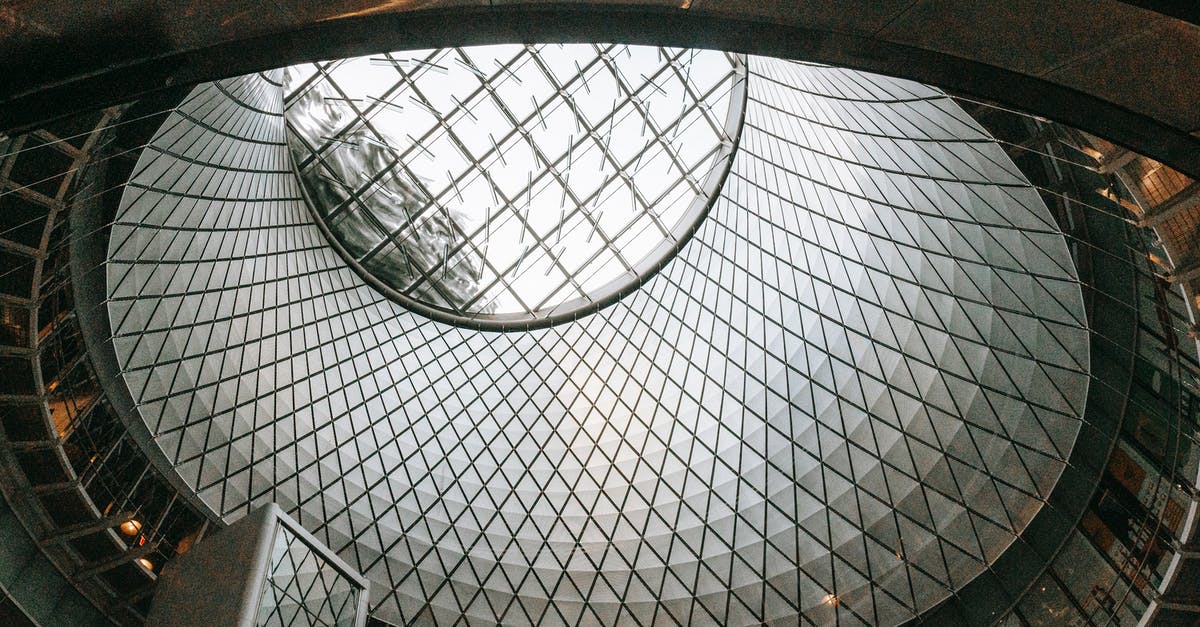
(610, 292)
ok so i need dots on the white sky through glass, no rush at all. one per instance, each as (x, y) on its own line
(511, 179)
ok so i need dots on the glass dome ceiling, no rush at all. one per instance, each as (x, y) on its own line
(510, 186)
(841, 401)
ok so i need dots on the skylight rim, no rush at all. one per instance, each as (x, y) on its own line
(637, 272)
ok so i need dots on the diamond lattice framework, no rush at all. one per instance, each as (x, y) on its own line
(845, 396)
(302, 589)
(500, 186)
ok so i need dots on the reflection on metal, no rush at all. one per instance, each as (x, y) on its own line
(511, 187)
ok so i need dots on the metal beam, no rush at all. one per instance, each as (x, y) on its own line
(1172, 605)
(33, 445)
(19, 399)
(1183, 200)
(59, 486)
(1186, 10)
(1115, 160)
(87, 571)
(1042, 137)
(1185, 272)
(129, 600)
(79, 530)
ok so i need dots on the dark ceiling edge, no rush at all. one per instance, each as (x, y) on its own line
(354, 36)
(1186, 10)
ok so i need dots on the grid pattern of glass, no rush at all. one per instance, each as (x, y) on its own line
(841, 400)
(303, 590)
(512, 183)
(1119, 562)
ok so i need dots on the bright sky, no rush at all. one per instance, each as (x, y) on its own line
(561, 182)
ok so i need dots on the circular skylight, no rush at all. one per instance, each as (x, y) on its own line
(513, 185)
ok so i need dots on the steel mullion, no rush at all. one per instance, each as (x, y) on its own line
(434, 201)
(560, 89)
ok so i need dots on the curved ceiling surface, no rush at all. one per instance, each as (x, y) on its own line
(504, 186)
(843, 398)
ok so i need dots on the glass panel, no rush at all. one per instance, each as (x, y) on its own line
(495, 200)
(302, 589)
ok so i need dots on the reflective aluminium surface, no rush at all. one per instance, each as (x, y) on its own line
(843, 398)
(506, 185)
